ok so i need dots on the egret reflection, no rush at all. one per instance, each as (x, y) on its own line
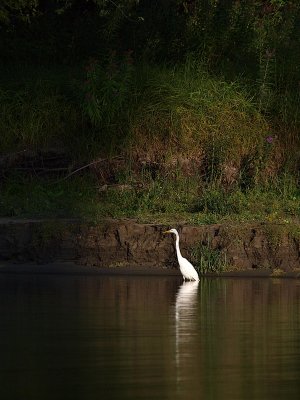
(185, 325)
(186, 300)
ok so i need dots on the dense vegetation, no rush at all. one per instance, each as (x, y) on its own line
(161, 110)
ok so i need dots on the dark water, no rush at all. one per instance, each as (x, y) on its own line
(148, 338)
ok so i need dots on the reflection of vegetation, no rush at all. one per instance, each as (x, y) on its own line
(250, 316)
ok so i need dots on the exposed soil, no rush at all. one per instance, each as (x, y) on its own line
(254, 248)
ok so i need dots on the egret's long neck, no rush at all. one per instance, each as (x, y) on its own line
(177, 246)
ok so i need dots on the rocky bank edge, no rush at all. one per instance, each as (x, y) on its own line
(125, 243)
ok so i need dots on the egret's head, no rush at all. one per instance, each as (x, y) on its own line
(171, 231)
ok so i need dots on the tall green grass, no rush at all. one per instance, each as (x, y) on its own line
(177, 117)
(184, 112)
(208, 259)
(40, 109)
(35, 118)
(192, 147)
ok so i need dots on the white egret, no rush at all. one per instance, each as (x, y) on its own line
(186, 268)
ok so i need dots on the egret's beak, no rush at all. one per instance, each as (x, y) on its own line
(167, 232)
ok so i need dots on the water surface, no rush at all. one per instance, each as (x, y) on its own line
(128, 337)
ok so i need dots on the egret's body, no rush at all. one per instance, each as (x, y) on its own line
(186, 268)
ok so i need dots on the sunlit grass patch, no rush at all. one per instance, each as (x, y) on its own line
(159, 201)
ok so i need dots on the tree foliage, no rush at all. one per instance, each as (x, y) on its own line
(259, 40)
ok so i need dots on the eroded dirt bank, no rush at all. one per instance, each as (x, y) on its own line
(126, 243)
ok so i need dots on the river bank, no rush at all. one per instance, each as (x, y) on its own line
(66, 269)
(126, 246)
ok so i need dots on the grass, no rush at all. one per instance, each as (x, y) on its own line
(184, 117)
(278, 199)
(176, 112)
(194, 147)
(41, 109)
(160, 201)
(207, 259)
(35, 119)
(28, 197)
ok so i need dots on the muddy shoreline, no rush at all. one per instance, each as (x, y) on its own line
(66, 269)
(128, 247)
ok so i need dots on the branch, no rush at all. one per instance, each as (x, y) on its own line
(85, 166)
